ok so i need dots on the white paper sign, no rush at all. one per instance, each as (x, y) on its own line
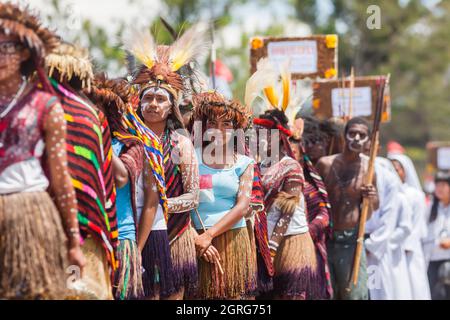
(302, 55)
(361, 101)
(443, 158)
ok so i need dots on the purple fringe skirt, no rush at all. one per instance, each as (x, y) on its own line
(157, 264)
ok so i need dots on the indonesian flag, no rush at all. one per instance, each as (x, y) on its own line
(206, 188)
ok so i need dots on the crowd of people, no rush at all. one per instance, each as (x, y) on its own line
(152, 186)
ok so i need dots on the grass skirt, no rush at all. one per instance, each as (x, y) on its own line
(96, 281)
(157, 264)
(238, 261)
(264, 280)
(296, 269)
(128, 276)
(184, 261)
(33, 248)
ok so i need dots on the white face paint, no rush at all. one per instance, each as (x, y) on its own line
(156, 104)
(356, 137)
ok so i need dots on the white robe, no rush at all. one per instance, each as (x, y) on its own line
(380, 227)
(400, 275)
(417, 266)
(415, 257)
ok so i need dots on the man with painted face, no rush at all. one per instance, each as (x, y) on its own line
(344, 175)
(161, 86)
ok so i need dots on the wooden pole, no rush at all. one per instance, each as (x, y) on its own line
(368, 180)
(350, 99)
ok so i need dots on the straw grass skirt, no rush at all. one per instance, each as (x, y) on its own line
(238, 261)
(264, 280)
(297, 269)
(128, 276)
(95, 283)
(33, 248)
(184, 261)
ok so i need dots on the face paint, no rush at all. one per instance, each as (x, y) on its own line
(354, 141)
(156, 104)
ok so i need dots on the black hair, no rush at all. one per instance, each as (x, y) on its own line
(441, 176)
(276, 115)
(357, 120)
(174, 120)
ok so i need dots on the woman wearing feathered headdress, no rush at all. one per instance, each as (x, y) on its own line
(160, 82)
(39, 237)
(89, 160)
(291, 246)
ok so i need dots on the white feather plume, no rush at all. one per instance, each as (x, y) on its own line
(191, 45)
(142, 45)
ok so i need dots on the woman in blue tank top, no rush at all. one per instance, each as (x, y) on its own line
(225, 186)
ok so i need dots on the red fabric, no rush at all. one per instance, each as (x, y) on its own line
(272, 125)
(223, 71)
(394, 147)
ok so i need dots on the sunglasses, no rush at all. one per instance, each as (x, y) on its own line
(10, 47)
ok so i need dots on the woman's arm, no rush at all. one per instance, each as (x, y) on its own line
(151, 201)
(120, 172)
(188, 164)
(233, 216)
(60, 180)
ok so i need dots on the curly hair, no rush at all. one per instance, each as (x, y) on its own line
(111, 96)
(212, 105)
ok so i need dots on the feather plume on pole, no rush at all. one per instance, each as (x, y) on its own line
(286, 85)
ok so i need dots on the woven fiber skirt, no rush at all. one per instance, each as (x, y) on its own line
(264, 280)
(238, 261)
(157, 264)
(95, 283)
(128, 276)
(296, 269)
(33, 248)
(184, 261)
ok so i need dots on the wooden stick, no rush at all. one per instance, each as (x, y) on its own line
(204, 230)
(350, 101)
(368, 180)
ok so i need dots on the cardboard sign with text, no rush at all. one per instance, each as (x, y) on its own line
(331, 98)
(310, 57)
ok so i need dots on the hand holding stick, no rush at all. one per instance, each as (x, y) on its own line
(368, 181)
(204, 230)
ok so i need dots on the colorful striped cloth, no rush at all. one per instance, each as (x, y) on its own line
(178, 223)
(318, 215)
(153, 151)
(89, 160)
(261, 233)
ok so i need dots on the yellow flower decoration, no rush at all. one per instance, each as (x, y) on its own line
(257, 43)
(330, 73)
(331, 41)
(316, 103)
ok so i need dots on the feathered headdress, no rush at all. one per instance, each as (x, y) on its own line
(70, 60)
(27, 27)
(275, 88)
(114, 96)
(161, 66)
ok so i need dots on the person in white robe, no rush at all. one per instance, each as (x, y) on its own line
(378, 231)
(415, 258)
